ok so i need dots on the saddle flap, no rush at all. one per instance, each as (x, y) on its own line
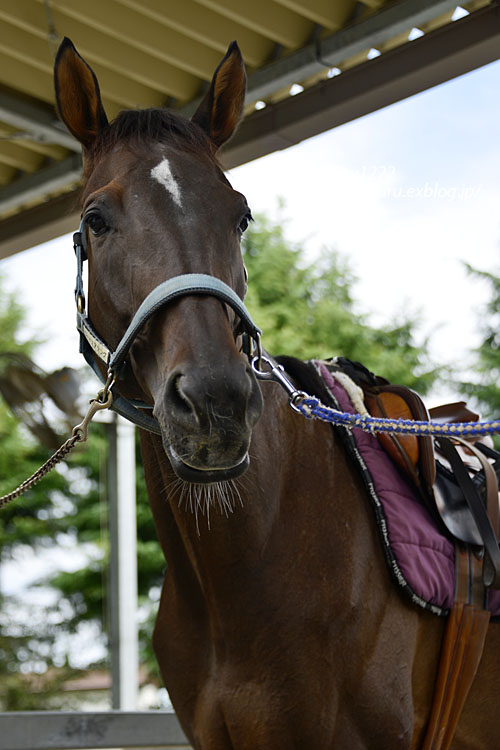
(468, 501)
(458, 411)
(447, 493)
(413, 454)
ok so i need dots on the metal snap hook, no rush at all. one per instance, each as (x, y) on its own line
(276, 373)
(103, 400)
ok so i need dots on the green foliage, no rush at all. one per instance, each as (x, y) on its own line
(484, 388)
(18, 691)
(83, 592)
(61, 510)
(13, 317)
(309, 311)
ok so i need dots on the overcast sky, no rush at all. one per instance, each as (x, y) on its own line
(407, 194)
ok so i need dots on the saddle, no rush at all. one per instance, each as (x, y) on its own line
(457, 478)
(458, 481)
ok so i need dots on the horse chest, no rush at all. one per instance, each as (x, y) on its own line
(283, 666)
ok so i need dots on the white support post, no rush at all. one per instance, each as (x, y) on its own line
(122, 594)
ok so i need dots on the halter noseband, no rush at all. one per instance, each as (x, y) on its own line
(93, 347)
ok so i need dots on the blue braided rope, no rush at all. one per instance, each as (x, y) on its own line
(312, 408)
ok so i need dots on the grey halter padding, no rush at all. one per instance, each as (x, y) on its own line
(93, 347)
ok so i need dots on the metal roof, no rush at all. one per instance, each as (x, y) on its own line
(312, 65)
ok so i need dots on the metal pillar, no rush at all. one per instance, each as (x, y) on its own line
(122, 596)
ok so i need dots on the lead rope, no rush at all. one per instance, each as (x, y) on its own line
(312, 408)
(103, 400)
(299, 401)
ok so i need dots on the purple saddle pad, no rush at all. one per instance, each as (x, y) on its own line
(420, 558)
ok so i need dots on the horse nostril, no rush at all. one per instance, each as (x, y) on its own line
(176, 394)
(222, 400)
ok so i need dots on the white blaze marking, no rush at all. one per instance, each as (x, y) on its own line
(163, 174)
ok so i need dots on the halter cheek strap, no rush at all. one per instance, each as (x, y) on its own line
(94, 348)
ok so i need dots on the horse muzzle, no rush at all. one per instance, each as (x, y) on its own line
(206, 417)
(203, 476)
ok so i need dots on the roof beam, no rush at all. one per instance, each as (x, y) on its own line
(14, 155)
(334, 49)
(373, 3)
(443, 54)
(274, 22)
(148, 81)
(439, 56)
(127, 26)
(7, 174)
(59, 176)
(39, 122)
(47, 150)
(330, 15)
(106, 55)
(206, 26)
(39, 224)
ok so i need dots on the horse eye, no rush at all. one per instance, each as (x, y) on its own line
(243, 225)
(96, 223)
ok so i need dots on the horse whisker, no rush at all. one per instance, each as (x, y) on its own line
(202, 498)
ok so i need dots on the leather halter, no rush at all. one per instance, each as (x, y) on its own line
(94, 349)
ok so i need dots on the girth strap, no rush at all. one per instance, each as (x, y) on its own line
(468, 620)
(467, 625)
(461, 651)
(485, 518)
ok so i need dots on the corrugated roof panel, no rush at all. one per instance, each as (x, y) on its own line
(157, 53)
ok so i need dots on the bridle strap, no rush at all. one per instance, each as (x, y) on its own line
(180, 286)
(122, 406)
(94, 348)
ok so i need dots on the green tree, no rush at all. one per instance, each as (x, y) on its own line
(67, 508)
(82, 593)
(483, 387)
(20, 455)
(309, 310)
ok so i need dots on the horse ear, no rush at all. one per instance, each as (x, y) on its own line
(77, 95)
(220, 111)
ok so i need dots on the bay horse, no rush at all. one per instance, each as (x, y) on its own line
(279, 626)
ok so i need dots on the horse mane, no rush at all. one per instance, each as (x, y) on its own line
(138, 127)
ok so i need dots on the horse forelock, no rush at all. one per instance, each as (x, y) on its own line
(142, 127)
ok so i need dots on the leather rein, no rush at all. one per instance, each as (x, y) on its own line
(96, 351)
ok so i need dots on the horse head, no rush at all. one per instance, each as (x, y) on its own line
(156, 205)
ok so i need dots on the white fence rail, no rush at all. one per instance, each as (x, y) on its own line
(61, 730)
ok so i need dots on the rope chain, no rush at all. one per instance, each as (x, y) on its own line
(312, 408)
(265, 368)
(50, 464)
(301, 402)
(103, 400)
